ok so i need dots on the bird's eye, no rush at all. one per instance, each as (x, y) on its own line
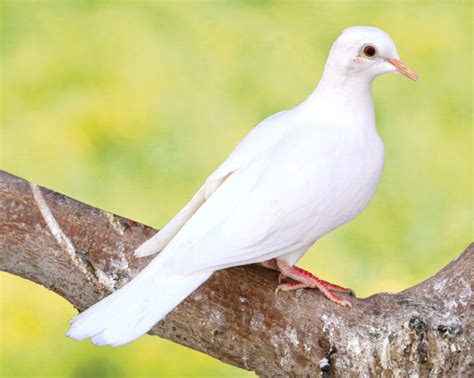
(369, 51)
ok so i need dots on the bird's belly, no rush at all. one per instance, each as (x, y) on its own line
(347, 192)
(349, 185)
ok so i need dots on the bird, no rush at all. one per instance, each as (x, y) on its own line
(296, 176)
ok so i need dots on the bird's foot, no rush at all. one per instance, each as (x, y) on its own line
(304, 279)
(281, 278)
(289, 286)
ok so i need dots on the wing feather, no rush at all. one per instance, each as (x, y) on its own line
(255, 215)
(257, 142)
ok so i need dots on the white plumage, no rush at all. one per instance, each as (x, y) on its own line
(298, 175)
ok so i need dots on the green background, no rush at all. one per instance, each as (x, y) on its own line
(128, 106)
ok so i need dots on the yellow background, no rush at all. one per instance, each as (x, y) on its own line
(128, 106)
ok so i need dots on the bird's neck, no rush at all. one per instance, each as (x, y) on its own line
(343, 98)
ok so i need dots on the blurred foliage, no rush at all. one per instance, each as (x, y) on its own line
(129, 106)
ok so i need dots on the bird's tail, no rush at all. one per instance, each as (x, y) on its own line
(134, 309)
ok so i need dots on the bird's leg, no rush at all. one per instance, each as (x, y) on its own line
(307, 279)
(272, 264)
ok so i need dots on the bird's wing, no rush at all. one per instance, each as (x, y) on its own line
(159, 241)
(258, 213)
(262, 137)
(258, 141)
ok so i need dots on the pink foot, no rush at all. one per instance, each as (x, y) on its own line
(290, 286)
(307, 279)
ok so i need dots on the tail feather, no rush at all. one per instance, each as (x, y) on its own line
(144, 316)
(134, 309)
(96, 318)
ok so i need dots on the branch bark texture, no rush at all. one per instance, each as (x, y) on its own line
(83, 253)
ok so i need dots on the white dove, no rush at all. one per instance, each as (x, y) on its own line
(295, 177)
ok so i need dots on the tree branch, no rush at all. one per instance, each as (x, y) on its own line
(83, 253)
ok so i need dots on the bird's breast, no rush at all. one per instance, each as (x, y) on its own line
(345, 182)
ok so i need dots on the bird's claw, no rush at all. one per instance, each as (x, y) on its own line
(351, 292)
(342, 302)
(281, 277)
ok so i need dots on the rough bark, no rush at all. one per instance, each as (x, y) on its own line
(83, 253)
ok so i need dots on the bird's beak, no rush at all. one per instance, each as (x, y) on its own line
(403, 69)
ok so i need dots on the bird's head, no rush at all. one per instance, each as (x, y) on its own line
(367, 52)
